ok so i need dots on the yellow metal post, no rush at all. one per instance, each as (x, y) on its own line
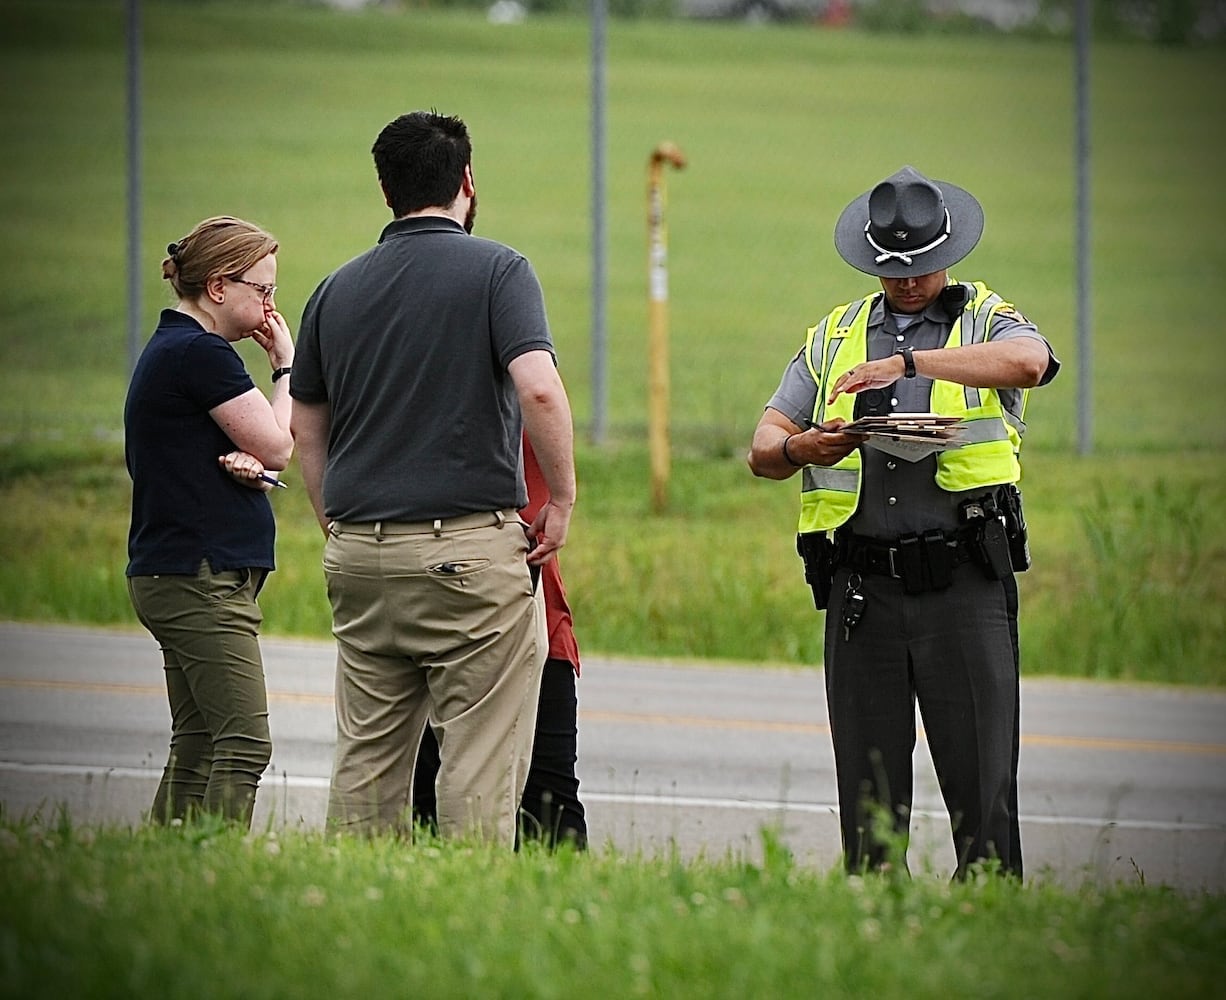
(657, 347)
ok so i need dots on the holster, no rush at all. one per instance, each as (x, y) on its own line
(1010, 500)
(992, 544)
(816, 550)
(985, 531)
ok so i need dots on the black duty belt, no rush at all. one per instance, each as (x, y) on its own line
(923, 561)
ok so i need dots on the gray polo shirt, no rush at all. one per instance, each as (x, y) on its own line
(898, 497)
(409, 344)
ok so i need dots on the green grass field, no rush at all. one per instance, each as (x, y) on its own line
(268, 111)
(208, 912)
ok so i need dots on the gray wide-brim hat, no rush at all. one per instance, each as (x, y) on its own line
(908, 226)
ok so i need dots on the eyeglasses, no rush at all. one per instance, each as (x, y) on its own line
(267, 291)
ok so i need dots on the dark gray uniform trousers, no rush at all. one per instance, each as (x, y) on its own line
(955, 652)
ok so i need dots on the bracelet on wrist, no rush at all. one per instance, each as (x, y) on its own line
(787, 457)
(278, 372)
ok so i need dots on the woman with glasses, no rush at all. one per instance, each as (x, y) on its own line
(200, 442)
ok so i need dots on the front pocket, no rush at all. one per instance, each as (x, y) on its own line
(227, 585)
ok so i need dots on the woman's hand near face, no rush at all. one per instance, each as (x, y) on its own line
(275, 338)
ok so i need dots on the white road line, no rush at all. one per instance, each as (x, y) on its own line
(654, 801)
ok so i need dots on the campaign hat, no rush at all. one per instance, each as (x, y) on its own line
(908, 225)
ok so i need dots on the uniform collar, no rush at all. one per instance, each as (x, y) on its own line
(943, 309)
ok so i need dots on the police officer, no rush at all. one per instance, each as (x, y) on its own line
(914, 557)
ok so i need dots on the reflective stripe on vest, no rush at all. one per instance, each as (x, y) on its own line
(829, 495)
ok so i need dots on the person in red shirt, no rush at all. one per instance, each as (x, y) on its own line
(550, 810)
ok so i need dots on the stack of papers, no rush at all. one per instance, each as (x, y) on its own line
(910, 436)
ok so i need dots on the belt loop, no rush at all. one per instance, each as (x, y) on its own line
(438, 527)
(501, 518)
(378, 531)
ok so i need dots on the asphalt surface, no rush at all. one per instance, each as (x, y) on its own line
(1117, 782)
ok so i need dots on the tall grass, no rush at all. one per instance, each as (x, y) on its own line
(1127, 581)
(207, 911)
(268, 111)
(1148, 591)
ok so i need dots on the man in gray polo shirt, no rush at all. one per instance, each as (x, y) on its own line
(914, 555)
(418, 365)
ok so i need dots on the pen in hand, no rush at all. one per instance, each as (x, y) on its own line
(270, 479)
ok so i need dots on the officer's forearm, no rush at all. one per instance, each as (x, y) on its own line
(780, 449)
(1011, 364)
(766, 456)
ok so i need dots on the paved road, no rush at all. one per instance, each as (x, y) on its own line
(1117, 782)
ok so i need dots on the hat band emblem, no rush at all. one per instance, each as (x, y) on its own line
(904, 256)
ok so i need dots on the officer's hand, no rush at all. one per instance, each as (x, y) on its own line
(824, 444)
(870, 375)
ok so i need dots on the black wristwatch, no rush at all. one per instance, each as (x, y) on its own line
(908, 362)
(279, 372)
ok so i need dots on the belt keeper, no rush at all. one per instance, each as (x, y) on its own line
(378, 531)
(438, 527)
(500, 517)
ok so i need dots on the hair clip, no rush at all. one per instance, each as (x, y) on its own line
(173, 250)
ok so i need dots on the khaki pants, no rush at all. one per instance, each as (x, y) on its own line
(434, 622)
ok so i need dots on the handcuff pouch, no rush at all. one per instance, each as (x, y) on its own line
(911, 564)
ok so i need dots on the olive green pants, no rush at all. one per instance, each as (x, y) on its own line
(208, 628)
(440, 626)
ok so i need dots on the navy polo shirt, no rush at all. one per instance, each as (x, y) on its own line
(185, 507)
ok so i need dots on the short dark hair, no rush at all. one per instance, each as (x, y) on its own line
(420, 158)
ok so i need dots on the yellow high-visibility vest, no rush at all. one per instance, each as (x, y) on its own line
(829, 494)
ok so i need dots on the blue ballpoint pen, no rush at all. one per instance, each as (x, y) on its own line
(269, 479)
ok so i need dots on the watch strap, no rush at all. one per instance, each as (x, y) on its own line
(278, 372)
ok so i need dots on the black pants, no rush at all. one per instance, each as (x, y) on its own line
(550, 810)
(954, 652)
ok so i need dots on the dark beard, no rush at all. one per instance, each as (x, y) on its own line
(471, 217)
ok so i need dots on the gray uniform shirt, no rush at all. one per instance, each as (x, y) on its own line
(409, 344)
(899, 497)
